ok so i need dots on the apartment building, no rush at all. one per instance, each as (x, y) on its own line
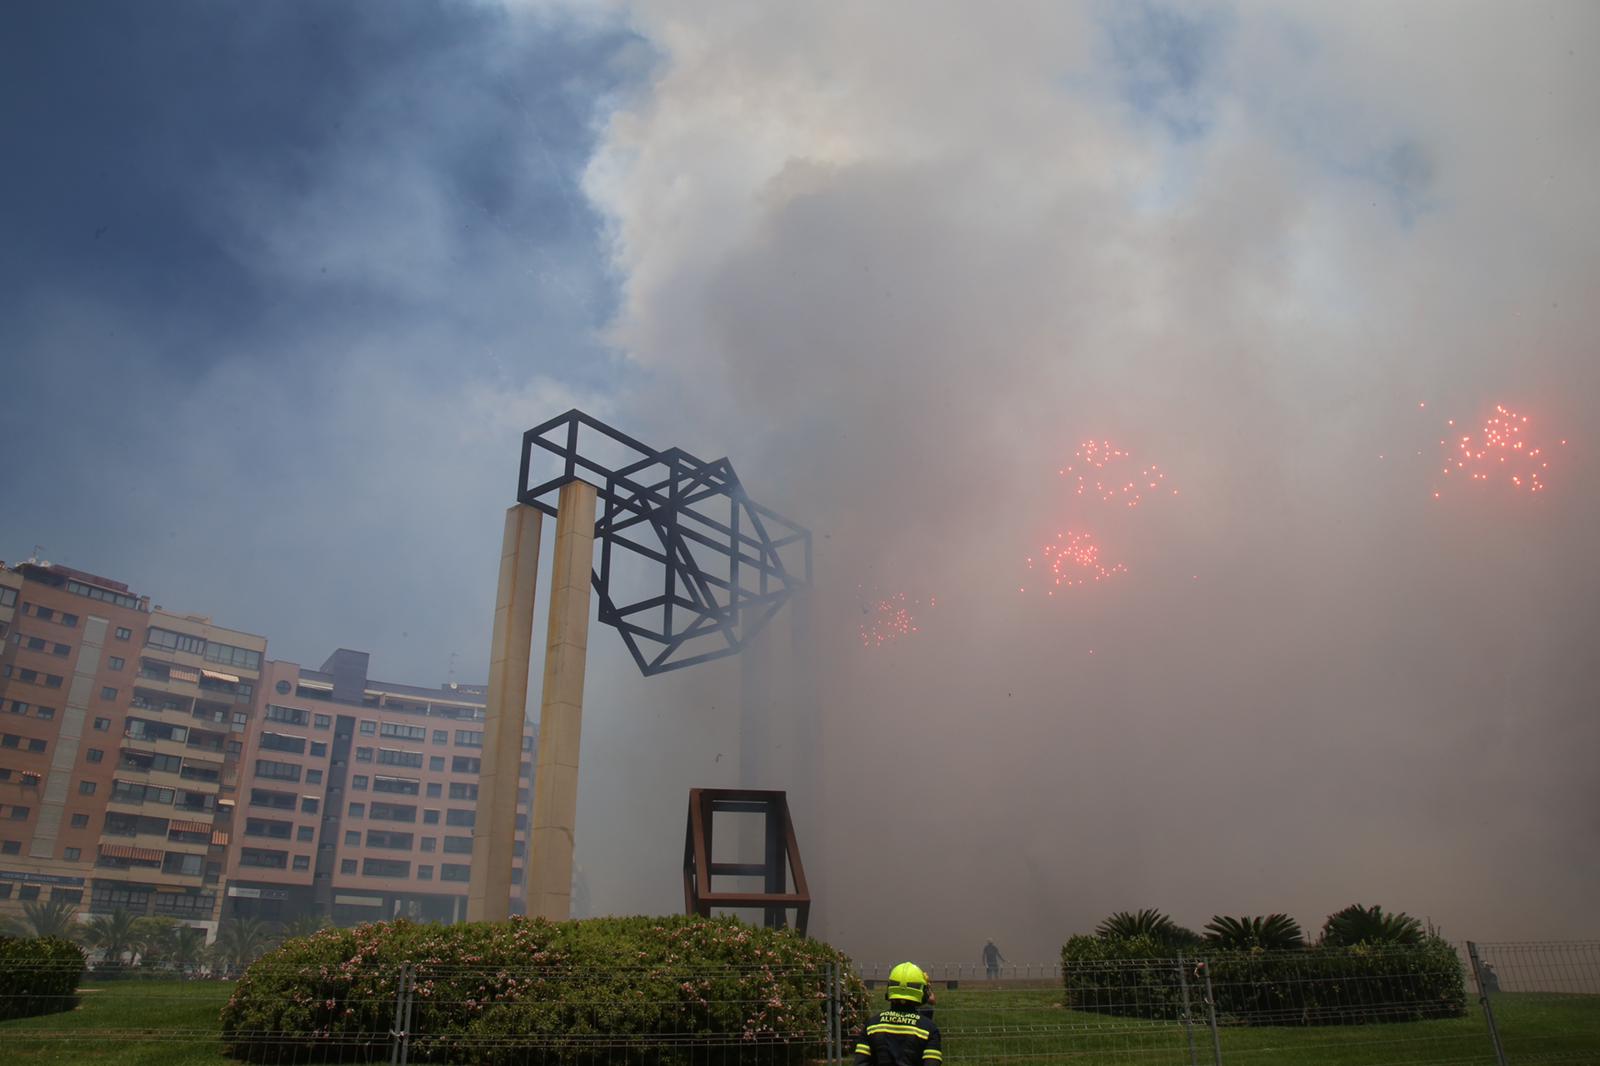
(121, 730)
(358, 797)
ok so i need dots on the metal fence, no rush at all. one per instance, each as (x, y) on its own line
(1489, 1005)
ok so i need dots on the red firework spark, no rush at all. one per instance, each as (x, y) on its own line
(1109, 474)
(1073, 558)
(888, 618)
(1502, 452)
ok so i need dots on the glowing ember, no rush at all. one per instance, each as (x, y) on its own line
(887, 618)
(1500, 453)
(1110, 475)
(1073, 558)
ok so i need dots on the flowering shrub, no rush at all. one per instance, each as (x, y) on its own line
(637, 990)
(38, 975)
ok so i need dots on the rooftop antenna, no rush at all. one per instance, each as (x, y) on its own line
(452, 675)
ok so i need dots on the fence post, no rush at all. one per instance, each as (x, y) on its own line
(833, 1012)
(1483, 1000)
(1211, 1015)
(405, 1028)
(396, 1027)
(1188, 1020)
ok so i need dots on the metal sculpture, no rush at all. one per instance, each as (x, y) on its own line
(782, 856)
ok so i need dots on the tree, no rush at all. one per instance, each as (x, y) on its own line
(114, 935)
(54, 918)
(1150, 923)
(1369, 925)
(240, 941)
(188, 948)
(1275, 932)
(9, 926)
(305, 925)
(155, 938)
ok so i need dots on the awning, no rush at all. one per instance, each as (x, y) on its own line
(183, 675)
(218, 675)
(189, 827)
(123, 851)
(219, 839)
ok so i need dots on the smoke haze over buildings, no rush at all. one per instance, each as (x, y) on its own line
(898, 261)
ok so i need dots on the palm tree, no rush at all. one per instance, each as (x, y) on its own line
(114, 935)
(188, 948)
(9, 926)
(305, 925)
(240, 941)
(1150, 923)
(1275, 932)
(54, 918)
(1369, 925)
(155, 939)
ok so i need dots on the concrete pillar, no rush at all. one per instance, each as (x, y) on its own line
(555, 781)
(494, 832)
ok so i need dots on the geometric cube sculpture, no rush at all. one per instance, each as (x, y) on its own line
(781, 855)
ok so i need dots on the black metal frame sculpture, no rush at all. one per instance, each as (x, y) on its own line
(728, 563)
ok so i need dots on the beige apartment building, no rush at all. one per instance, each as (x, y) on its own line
(358, 798)
(158, 763)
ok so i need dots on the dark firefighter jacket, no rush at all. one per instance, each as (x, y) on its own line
(899, 1038)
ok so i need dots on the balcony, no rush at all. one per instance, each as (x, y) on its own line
(152, 745)
(179, 682)
(156, 842)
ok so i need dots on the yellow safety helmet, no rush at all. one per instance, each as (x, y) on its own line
(907, 981)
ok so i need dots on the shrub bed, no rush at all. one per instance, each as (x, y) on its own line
(38, 975)
(637, 990)
(1358, 985)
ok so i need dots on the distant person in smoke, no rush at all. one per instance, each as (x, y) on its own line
(992, 960)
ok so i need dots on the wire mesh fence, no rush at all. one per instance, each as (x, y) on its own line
(1491, 1004)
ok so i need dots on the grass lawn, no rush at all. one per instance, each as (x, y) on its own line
(174, 1023)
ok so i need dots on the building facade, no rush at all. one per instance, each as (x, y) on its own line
(161, 764)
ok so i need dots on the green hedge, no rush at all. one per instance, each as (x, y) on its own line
(38, 975)
(1357, 985)
(636, 990)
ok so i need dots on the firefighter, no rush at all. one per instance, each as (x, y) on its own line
(903, 1035)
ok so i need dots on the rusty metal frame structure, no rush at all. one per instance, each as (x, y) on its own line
(782, 858)
(727, 563)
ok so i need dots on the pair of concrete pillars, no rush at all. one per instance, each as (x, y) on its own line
(555, 782)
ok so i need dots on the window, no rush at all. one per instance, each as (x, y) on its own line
(10, 847)
(358, 782)
(469, 738)
(272, 860)
(287, 715)
(228, 655)
(368, 728)
(80, 821)
(71, 854)
(460, 790)
(322, 721)
(145, 762)
(394, 757)
(108, 693)
(45, 713)
(283, 742)
(19, 814)
(347, 866)
(309, 805)
(403, 731)
(8, 597)
(233, 747)
(28, 892)
(102, 725)
(424, 873)
(86, 788)
(458, 845)
(441, 736)
(302, 862)
(436, 763)
(430, 817)
(357, 810)
(94, 755)
(383, 838)
(393, 812)
(433, 789)
(171, 641)
(363, 755)
(280, 771)
(118, 663)
(36, 745)
(44, 614)
(261, 797)
(404, 786)
(124, 633)
(305, 833)
(385, 868)
(319, 749)
(352, 838)
(183, 865)
(267, 827)
(455, 871)
(458, 817)
(466, 764)
(313, 777)
(62, 650)
(429, 843)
